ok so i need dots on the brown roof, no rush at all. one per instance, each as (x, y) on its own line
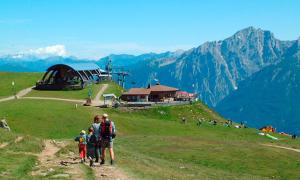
(144, 91)
(137, 91)
(162, 88)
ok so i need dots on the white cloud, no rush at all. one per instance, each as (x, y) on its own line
(54, 50)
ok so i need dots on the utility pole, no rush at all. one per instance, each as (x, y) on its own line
(108, 68)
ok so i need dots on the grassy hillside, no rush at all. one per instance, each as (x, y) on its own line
(68, 94)
(17, 158)
(78, 94)
(154, 144)
(22, 80)
(113, 88)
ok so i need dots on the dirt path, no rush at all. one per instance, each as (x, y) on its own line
(18, 95)
(109, 172)
(50, 165)
(3, 145)
(96, 101)
(68, 165)
(19, 139)
(49, 151)
(56, 99)
(7, 99)
(282, 147)
(24, 92)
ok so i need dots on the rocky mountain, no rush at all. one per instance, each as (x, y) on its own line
(270, 96)
(126, 60)
(215, 69)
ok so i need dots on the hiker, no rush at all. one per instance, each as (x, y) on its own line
(91, 146)
(82, 145)
(108, 133)
(96, 132)
(294, 136)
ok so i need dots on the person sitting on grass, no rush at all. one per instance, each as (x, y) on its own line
(91, 146)
(82, 145)
(108, 133)
(96, 132)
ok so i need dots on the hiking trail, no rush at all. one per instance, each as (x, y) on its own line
(68, 165)
(18, 95)
(96, 101)
(282, 147)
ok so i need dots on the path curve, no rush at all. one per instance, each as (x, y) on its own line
(20, 94)
(283, 147)
(96, 101)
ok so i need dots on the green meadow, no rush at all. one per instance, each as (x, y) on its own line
(22, 81)
(67, 94)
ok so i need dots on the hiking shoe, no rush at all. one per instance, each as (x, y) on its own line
(81, 161)
(112, 162)
(91, 163)
(102, 162)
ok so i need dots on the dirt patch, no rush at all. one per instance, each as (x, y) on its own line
(3, 145)
(19, 139)
(109, 172)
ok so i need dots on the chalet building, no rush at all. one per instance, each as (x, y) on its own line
(157, 93)
(71, 76)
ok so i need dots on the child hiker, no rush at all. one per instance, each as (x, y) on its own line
(82, 145)
(91, 146)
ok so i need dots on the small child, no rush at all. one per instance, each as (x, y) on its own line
(91, 144)
(82, 145)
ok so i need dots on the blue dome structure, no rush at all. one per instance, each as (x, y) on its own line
(71, 76)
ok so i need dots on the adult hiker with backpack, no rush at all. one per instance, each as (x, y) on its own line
(91, 146)
(108, 133)
(97, 134)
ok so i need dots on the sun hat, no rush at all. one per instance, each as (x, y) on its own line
(105, 115)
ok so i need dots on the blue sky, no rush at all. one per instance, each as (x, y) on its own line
(95, 28)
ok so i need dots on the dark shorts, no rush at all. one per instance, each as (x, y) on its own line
(106, 144)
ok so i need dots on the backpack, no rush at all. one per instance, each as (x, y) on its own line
(96, 131)
(106, 130)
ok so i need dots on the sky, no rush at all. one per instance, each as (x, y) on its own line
(96, 28)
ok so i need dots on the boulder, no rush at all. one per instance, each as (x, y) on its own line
(4, 125)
